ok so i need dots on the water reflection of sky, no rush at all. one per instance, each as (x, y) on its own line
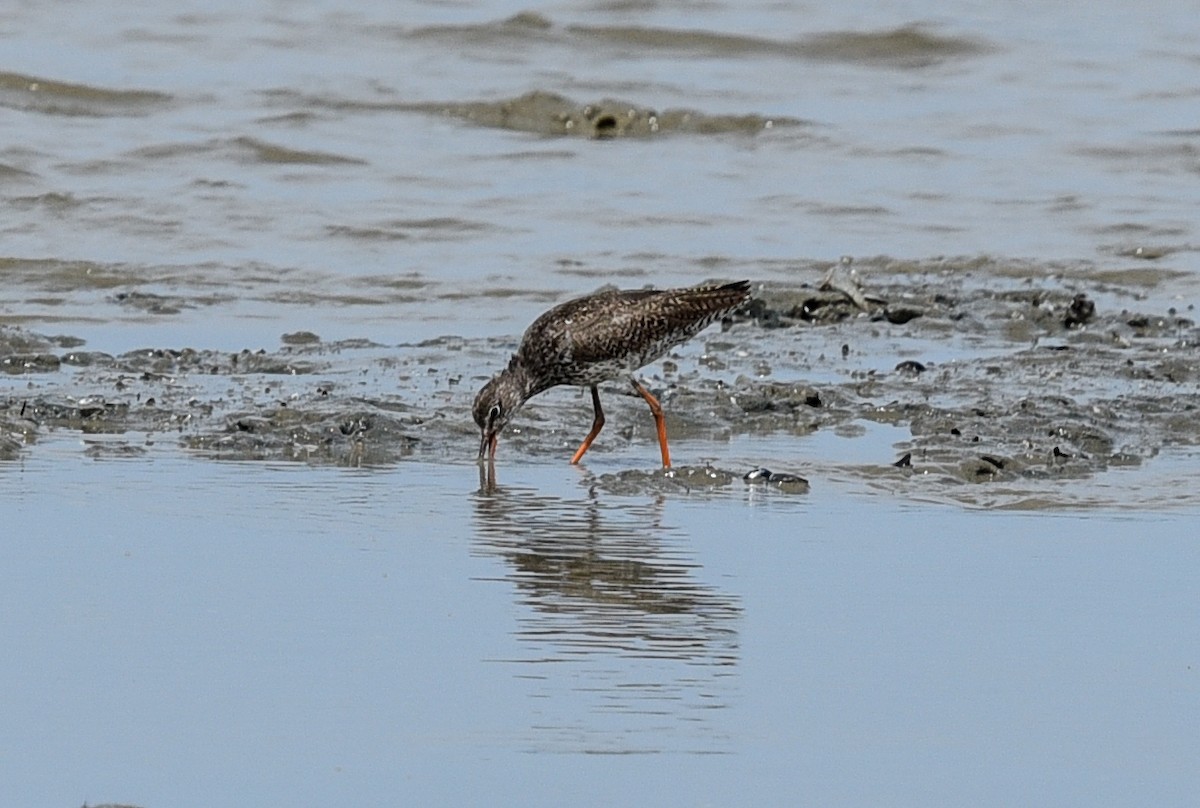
(349, 635)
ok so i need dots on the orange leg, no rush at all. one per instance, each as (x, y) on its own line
(659, 421)
(597, 425)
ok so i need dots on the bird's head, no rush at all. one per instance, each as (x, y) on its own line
(496, 403)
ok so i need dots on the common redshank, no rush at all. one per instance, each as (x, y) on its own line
(595, 339)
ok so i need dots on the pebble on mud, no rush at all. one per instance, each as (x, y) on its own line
(900, 315)
(1080, 312)
(788, 483)
(300, 338)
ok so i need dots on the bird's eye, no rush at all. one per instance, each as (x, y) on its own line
(493, 413)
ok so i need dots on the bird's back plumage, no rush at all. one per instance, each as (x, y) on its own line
(609, 334)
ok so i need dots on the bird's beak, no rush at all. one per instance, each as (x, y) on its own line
(487, 445)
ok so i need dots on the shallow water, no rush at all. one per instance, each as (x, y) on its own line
(371, 623)
(322, 635)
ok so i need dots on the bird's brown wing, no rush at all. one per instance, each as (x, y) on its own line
(576, 329)
(638, 325)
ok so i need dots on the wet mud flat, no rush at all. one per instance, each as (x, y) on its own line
(995, 372)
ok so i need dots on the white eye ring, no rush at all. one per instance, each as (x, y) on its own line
(493, 413)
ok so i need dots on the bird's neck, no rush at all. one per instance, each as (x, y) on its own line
(520, 377)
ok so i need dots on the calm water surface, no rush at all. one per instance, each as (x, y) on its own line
(287, 635)
(179, 631)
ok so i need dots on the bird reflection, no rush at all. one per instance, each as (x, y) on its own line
(611, 588)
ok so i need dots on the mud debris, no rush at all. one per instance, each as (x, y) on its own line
(547, 113)
(789, 483)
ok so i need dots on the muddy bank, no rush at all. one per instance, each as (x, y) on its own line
(550, 114)
(547, 113)
(996, 372)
